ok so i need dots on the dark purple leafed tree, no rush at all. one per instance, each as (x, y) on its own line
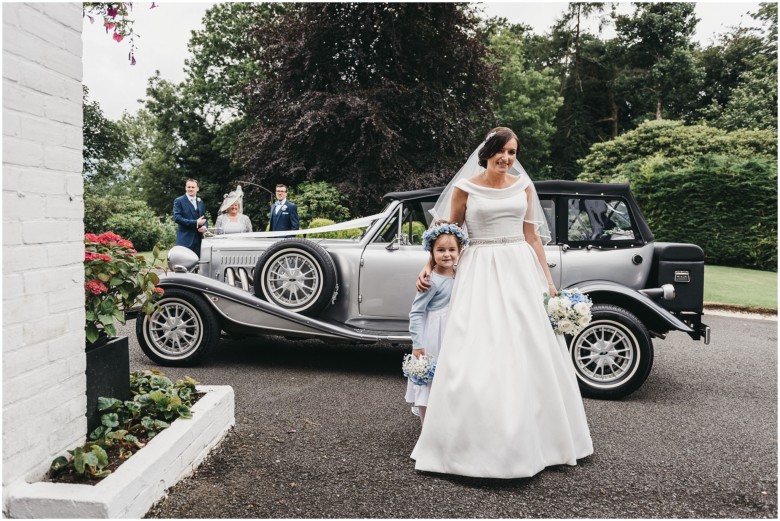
(371, 97)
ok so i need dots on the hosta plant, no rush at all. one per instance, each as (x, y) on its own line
(116, 279)
(126, 426)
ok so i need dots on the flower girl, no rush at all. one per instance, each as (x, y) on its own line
(429, 309)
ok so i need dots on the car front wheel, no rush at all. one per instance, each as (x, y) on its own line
(613, 355)
(180, 332)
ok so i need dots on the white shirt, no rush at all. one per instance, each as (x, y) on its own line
(279, 205)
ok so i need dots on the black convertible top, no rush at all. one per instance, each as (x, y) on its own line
(542, 187)
(413, 195)
(555, 187)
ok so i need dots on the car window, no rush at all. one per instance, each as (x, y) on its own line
(415, 220)
(548, 207)
(599, 220)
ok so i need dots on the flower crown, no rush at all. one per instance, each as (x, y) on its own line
(431, 234)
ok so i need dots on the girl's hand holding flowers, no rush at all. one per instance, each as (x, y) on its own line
(419, 370)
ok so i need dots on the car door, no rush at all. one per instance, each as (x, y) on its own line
(601, 242)
(391, 262)
(552, 250)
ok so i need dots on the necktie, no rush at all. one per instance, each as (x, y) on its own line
(278, 207)
(194, 203)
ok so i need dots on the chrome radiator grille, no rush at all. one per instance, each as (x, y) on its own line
(239, 260)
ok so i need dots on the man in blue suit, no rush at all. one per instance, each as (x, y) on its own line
(284, 214)
(189, 213)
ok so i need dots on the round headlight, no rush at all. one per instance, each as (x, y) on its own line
(181, 259)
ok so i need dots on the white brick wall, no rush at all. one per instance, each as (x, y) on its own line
(43, 209)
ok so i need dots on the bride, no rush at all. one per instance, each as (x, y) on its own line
(505, 401)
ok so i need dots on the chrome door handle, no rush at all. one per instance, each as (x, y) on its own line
(551, 265)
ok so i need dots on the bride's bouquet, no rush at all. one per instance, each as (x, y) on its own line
(569, 311)
(419, 370)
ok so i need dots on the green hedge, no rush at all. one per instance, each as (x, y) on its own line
(131, 218)
(725, 204)
(675, 143)
(341, 234)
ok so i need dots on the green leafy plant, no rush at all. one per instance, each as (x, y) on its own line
(339, 234)
(116, 279)
(126, 426)
(89, 461)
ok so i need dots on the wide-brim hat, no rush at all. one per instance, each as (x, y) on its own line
(236, 196)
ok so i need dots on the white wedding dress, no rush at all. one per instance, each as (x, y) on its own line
(505, 403)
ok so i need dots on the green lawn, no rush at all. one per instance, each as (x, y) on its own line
(740, 287)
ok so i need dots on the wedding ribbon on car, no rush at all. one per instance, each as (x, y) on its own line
(361, 222)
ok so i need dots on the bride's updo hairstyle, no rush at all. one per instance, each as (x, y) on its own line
(494, 143)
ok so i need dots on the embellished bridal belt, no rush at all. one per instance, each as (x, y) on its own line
(512, 239)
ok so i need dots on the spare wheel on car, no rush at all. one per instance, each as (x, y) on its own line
(297, 275)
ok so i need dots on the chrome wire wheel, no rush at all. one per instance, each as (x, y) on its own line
(292, 279)
(175, 330)
(605, 353)
(181, 331)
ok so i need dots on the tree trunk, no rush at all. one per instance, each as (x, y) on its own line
(658, 110)
(614, 112)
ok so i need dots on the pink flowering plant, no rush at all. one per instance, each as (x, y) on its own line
(116, 279)
(116, 21)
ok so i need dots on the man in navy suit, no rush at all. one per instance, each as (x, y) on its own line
(189, 213)
(284, 214)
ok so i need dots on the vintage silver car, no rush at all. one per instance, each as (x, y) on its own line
(360, 289)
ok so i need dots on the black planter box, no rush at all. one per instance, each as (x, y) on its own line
(108, 374)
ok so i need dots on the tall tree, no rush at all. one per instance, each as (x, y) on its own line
(527, 99)
(583, 118)
(370, 97)
(182, 146)
(224, 59)
(105, 148)
(741, 91)
(658, 42)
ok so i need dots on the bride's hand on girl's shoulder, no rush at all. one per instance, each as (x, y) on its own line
(424, 280)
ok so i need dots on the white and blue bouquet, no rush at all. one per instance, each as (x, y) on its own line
(569, 311)
(419, 370)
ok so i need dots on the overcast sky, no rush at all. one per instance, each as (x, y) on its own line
(165, 30)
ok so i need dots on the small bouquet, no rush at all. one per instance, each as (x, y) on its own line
(569, 311)
(419, 370)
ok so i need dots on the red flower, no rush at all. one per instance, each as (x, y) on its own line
(109, 238)
(89, 256)
(159, 291)
(112, 11)
(91, 237)
(118, 37)
(124, 243)
(95, 287)
(109, 25)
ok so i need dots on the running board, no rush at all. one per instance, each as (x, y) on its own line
(242, 308)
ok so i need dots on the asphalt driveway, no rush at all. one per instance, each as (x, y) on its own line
(322, 431)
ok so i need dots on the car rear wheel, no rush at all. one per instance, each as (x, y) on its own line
(613, 355)
(180, 332)
(297, 275)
